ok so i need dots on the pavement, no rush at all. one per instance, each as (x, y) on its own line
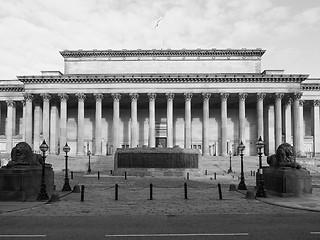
(168, 197)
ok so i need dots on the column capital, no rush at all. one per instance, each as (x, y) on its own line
(10, 103)
(28, 97)
(81, 96)
(278, 96)
(297, 95)
(187, 96)
(170, 96)
(134, 96)
(289, 101)
(23, 103)
(224, 96)
(152, 96)
(116, 96)
(301, 102)
(98, 96)
(63, 97)
(243, 96)
(46, 97)
(316, 103)
(261, 96)
(206, 96)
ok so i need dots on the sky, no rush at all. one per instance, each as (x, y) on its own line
(32, 32)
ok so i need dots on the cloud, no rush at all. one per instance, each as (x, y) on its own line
(35, 30)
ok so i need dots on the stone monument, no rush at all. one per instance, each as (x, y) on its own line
(285, 177)
(20, 179)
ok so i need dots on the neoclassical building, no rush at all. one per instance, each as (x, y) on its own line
(208, 99)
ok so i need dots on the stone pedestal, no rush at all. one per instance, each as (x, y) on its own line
(287, 181)
(21, 183)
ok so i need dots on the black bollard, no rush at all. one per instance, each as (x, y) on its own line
(111, 173)
(151, 198)
(116, 192)
(205, 172)
(251, 173)
(125, 175)
(71, 175)
(215, 176)
(82, 193)
(254, 173)
(187, 176)
(98, 175)
(185, 191)
(220, 193)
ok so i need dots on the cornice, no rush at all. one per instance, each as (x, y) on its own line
(163, 78)
(10, 88)
(164, 53)
(310, 87)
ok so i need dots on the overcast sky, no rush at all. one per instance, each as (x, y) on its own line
(32, 32)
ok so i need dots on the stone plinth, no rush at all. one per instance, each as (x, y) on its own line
(21, 183)
(155, 161)
(287, 181)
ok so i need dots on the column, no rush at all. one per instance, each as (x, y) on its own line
(134, 120)
(98, 147)
(278, 119)
(170, 97)
(9, 125)
(187, 125)
(116, 118)
(260, 123)
(296, 124)
(28, 126)
(63, 120)
(23, 120)
(316, 128)
(36, 130)
(53, 130)
(205, 124)
(152, 119)
(80, 143)
(287, 121)
(242, 116)
(46, 117)
(224, 118)
(14, 118)
(302, 127)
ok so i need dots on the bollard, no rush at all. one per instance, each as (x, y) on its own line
(151, 191)
(111, 173)
(220, 193)
(116, 192)
(215, 176)
(82, 193)
(254, 173)
(125, 175)
(251, 173)
(187, 176)
(185, 191)
(98, 175)
(205, 172)
(71, 174)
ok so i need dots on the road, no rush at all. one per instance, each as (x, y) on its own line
(291, 226)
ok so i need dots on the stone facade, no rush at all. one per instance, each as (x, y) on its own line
(205, 99)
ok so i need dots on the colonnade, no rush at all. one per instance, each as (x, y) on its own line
(43, 116)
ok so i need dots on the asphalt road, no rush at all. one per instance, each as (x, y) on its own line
(223, 226)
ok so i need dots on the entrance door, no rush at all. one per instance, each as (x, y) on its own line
(161, 142)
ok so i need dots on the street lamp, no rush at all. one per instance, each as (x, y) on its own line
(242, 185)
(43, 191)
(260, 192)
(89, 167)
(230, 168)
(66, 186)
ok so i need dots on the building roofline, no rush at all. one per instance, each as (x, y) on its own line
(164, 53)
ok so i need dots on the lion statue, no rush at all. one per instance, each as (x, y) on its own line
(284, 157)
(22, 154)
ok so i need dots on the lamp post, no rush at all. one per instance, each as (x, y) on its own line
(242, 185)
(66, 186)
(230, 168)
(89, 167)
(43, 191)
(260, 192)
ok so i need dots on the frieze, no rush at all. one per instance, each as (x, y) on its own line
(164, 53)
(163, 78)
(11, 89)
(310, 87)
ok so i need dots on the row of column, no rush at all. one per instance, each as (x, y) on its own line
(44, 119)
